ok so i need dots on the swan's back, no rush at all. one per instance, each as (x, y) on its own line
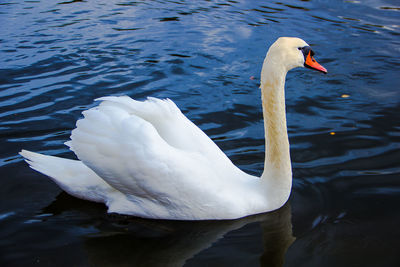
(156, 157)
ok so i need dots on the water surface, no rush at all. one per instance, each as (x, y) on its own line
(57, 56)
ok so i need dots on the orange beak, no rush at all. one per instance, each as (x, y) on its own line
(313, 64)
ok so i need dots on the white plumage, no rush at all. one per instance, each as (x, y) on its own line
(147, 159)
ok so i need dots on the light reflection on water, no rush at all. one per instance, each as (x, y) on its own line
(57, 57)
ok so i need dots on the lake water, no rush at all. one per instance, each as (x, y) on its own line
(344, 127)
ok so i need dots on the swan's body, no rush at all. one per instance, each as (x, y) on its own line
(147, 159)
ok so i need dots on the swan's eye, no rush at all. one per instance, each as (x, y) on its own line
(299, 48)
(306, 50)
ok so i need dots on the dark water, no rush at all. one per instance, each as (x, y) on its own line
(56, 57)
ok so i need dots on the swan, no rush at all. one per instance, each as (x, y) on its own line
(146, 159)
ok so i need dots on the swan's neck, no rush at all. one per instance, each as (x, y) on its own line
(277, 154)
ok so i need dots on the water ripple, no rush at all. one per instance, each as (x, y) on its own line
(56, 57)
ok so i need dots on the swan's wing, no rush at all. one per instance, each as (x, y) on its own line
(169, 122)
(132, 146)
(166, 117)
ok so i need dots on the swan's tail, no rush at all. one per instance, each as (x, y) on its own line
(48, 165)
(71, 175)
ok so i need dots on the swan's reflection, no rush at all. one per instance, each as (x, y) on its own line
(129, 241)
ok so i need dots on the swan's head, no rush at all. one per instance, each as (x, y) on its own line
(289, 53)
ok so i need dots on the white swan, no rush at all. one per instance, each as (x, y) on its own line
(147, 159)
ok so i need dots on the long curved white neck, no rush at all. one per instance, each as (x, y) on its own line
(277, 155)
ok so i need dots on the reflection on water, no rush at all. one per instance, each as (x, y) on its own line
(154, 243)
(56, 57)
(116, 240)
